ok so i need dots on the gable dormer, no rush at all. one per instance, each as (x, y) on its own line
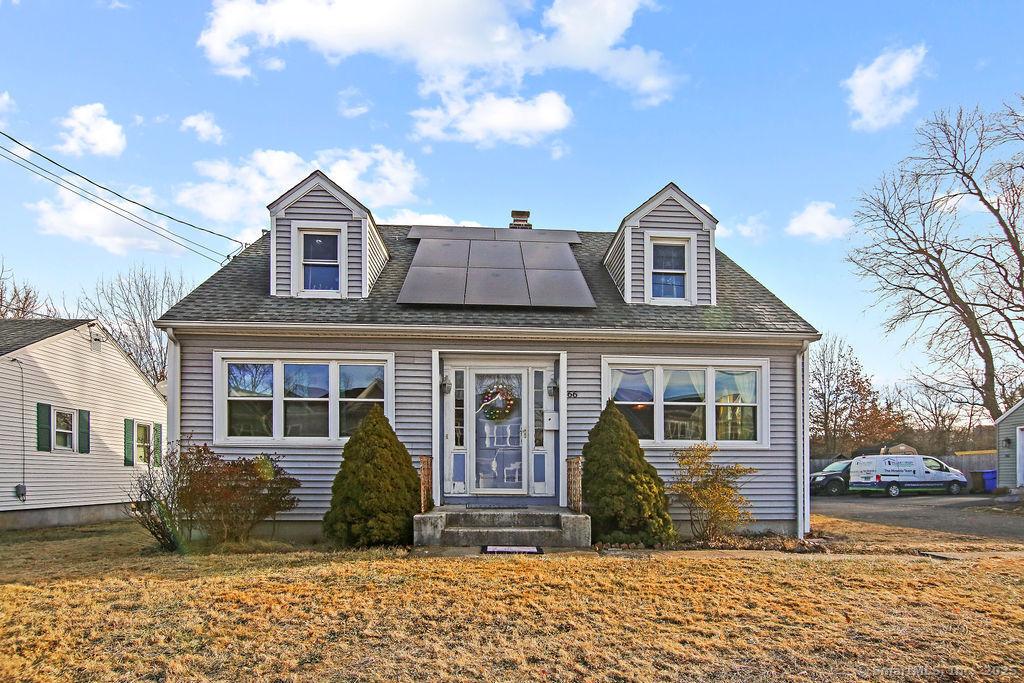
(323, 242)
(664, 252)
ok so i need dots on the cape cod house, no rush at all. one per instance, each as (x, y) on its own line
(493, 350)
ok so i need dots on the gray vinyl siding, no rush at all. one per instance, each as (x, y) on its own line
(354, 261)
(1007, 429)
(772, 492)
(65, 371)
(616, 265)
(668, 215)
(376, 256)
(317, 204)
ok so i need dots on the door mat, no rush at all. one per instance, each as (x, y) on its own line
(511, 550)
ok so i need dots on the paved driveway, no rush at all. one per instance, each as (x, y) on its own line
(964, 514)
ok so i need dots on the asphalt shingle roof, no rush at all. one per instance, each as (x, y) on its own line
(17, 334)
(239, 292)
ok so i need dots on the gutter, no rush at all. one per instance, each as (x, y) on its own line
(470, 332)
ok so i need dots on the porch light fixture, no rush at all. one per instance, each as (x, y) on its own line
(446, 385)
(1007, 442)
(553, 388)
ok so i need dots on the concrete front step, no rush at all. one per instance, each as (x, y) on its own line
(502, 518)
(456, 525)
(539, 536)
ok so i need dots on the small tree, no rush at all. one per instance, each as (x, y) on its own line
(158, 500)
(710, 493)
(376, 492)
(625, 497)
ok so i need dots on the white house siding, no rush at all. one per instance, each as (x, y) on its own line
(772, 492)
(669, 215)
(317, 204)
(63, 371)
(1007, 429)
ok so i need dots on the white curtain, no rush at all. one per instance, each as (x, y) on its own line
(746, 382)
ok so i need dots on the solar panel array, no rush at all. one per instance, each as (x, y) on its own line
(495, 267)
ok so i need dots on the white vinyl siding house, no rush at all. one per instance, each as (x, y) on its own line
(64, 403)
(723, 364)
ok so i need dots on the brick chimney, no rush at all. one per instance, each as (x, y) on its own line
(520, 220)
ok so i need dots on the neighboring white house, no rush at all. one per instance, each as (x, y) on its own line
(1010, 445)
(76, 418)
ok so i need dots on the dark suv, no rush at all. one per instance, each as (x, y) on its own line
(833, 480)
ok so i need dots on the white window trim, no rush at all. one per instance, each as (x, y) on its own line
(685, 237)
(278, 359)
(299, 228)
(53, 429)
(136, 443)
(709, 365)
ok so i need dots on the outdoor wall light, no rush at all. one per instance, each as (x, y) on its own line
(446, 385)
(553, 388)
(1007, 443)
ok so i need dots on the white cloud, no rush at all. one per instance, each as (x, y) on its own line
(88, 130)
(463, 52)
(70, 216)
(352, 104)
(490, 119)
(879, 92)
(7, 106)
(235, 194)
(818, 221)
(558, 150)
(205, 127)
(409, 217)
(753, 228)
(273, 64)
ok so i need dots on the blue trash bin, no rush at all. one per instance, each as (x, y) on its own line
(991, 478)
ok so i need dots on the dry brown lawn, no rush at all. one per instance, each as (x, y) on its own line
(98, 603)
(847, 536)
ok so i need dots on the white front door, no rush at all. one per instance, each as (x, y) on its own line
(500, 430)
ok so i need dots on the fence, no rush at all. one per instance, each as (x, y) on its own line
(964, 463)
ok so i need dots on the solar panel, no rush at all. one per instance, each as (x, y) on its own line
(458, 232)
(494, 267)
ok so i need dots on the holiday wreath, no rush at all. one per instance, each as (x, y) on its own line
(498, 401)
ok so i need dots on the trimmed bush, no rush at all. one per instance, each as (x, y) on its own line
(377, 491)
(710, 493)
(625, 497)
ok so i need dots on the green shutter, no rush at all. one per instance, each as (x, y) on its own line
(158, 438)
(43, 435)
(83, 431)
(129, 442)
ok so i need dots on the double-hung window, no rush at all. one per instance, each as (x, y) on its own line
(303, 398)
(143, 441)
(321, 265)
(682, 401)
(670, 266)
(63, 429)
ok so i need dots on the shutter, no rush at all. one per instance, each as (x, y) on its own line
(83, 431)
(43, 435)
(129, 442)
(158, 441)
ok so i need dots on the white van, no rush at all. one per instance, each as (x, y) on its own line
(895, 474)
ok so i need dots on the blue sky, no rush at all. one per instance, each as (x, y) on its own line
(775, 116)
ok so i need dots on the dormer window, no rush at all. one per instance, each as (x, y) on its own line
(320, 263)
(669, 268)
(668, 271)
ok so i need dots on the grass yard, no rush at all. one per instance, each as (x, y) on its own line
(847, 536)
(98, 603)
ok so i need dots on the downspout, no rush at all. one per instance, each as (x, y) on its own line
(803, 502)
(21, 490)
(173, 388)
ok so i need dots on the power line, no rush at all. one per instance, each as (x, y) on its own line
(110, 206)
(117, 194)
(126, 215)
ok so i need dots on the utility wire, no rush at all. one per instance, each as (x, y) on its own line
(117, 194)
(126, 215)
(110, 206)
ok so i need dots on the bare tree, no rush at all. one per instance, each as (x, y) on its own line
(128, 303)
(19, 301)
(941, 239)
